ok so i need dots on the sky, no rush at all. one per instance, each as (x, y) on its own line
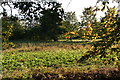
(79, 5)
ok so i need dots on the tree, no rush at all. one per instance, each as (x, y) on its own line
(109, 33)
(19, 31)
(70, 22)
(89, 22)
(50, 21)
(7, 29)
(37, 17)
(41, 14)
(71, 25)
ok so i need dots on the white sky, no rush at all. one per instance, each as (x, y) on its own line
(79, 5)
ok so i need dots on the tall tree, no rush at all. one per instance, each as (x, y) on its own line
(70, 22)
(51, 20)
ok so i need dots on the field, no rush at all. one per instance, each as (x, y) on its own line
(57, 61)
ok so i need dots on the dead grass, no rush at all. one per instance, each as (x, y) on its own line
(48, 48)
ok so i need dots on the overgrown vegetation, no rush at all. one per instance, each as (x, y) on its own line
(51, 60)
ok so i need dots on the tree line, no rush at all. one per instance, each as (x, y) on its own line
(39, 21)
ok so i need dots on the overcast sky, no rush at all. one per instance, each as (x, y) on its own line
(79, 5)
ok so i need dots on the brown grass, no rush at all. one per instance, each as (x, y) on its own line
(48, 48)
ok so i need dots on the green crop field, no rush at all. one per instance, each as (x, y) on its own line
(29, 59)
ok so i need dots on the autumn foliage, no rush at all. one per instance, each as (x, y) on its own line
(70, 35)
(109, 33)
